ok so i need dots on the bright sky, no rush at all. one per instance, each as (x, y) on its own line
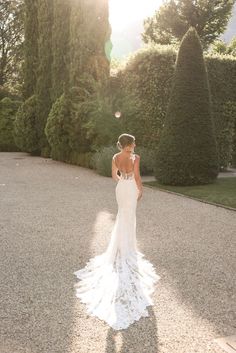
(126, 19)
(124, 12)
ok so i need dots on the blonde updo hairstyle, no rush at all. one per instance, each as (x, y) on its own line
(125, 140)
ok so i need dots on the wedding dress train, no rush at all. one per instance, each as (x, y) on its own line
(116, 286)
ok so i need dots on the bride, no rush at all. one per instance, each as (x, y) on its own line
(116, 286)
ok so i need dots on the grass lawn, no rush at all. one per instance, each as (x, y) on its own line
(222, 191)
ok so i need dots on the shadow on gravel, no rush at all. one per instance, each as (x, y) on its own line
(47, 213)
(139, 337)
(193, 245)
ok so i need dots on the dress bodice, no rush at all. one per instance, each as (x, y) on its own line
(125, 175)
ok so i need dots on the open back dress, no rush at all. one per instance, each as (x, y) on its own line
(116, 286)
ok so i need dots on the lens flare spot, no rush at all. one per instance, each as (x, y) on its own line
(117, 115)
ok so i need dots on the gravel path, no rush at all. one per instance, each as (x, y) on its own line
(55, 216)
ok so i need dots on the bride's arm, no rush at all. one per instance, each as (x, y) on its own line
(114, 170)
(137, 173)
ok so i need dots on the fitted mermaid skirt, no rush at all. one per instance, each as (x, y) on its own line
(116, 286)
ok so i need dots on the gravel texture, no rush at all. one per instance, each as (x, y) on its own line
(55, 216)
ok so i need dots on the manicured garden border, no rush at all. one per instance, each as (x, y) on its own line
(190, 197)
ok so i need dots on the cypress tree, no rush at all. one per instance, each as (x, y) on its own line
(187, 151)
(60, 47)
(96, 15)
(89, 39)
(44, 74)
(30, 47)
(89, 60)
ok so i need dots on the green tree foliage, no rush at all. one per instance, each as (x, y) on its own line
(57, 128)
(100, 126)
(187, 151)
(102, 160)
(8, 109)
(221, 47)
(5, 92)
(222, 77)
(11, 39)
(30, 48)
(60, 47)
(148, 77)
(89, 35)
(25, 134)
(44, 73)
(174, 17)
(89, 38)
(233, 161)
(226, 134)
(99, 122)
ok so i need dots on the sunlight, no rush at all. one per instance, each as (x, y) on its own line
(125, 12)
(126, 19)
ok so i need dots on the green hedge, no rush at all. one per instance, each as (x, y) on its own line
(82, 159)
(141, 93)
(25, 126)
(101, 160)
(148, 75)
(8, 109)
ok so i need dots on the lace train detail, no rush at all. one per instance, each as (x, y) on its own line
(117, 293)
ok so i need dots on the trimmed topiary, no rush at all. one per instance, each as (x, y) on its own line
(187, 152)
(57, 127)
(148, 77)
(25, 132)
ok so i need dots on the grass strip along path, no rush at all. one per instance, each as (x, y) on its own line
(222, 192)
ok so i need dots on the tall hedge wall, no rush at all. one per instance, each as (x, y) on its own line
(149, 73)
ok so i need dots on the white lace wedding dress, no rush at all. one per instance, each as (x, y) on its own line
(116, 285)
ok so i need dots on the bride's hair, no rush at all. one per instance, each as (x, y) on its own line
(124, 140)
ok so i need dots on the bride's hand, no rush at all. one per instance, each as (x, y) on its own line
(140, 194)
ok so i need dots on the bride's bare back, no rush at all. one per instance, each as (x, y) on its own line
(124, 163)
(129, 167)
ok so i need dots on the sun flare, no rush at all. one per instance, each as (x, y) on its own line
(125, 12)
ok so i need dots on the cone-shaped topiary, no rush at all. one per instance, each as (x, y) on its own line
(24, 132)
(57, 127)
(187, 151)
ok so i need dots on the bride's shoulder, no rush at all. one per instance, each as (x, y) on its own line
(135, 157)
(116, 154)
